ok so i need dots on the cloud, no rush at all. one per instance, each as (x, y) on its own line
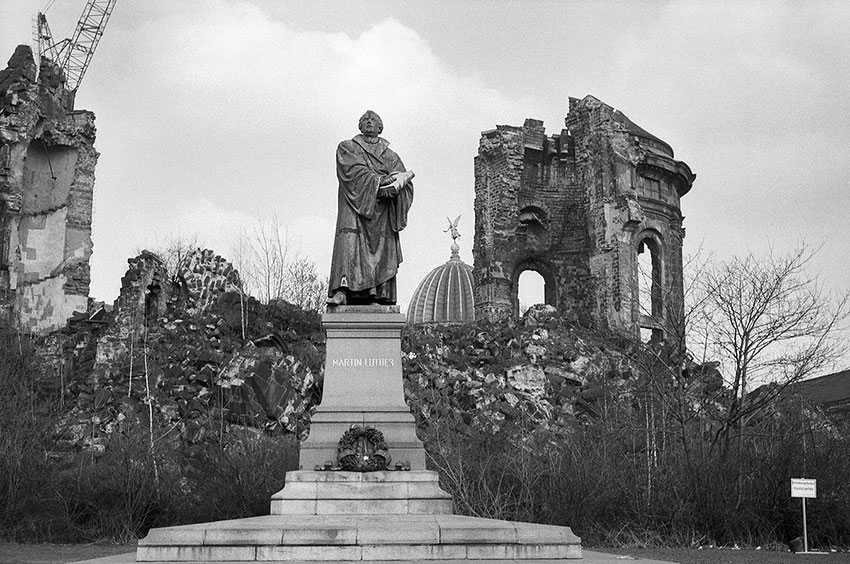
(216, 109)
(222, 102)
(713, 65)
(751, 95)
(214, 225)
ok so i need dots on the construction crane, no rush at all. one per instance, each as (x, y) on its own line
(73, 55)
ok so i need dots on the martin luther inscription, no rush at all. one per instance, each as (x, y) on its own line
(365, 362)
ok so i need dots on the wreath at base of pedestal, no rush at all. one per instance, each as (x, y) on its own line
(363, 449)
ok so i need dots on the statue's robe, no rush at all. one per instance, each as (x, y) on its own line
(366, 251)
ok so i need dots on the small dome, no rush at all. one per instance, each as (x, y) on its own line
(445, 295)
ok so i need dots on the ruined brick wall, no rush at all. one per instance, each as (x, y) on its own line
(150, 293)
(529, 214)
(47, 161)
(577, 207)
(204, 277)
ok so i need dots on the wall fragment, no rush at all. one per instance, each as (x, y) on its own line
(47, 162)
(576, 207)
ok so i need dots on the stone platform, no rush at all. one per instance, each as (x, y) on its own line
(587, 557)
(360, 517)
(359, 538)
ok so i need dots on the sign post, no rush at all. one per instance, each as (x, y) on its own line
(804, 488)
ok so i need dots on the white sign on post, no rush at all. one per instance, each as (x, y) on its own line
(802, 487)
(805, 488)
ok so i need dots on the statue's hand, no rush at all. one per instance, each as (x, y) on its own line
(404, 177)
(400, 179)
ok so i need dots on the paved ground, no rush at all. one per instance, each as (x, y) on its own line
(11, 553)
(593, 557)
(732, 556)
(590, 557)
(29, 553)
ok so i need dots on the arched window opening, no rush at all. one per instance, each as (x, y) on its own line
(533, 214)
(649, 278)
(533, 221)
(48, 176)
(531, 290)
(647, 334)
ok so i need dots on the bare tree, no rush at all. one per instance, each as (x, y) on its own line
(769, 320)
(272, 267)
(241, 255)
(270, 257)
(668, 398)
(765, 318)
(304, 285)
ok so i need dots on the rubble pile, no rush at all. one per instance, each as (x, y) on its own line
(204, 359)
(539, 371)
(191, 348)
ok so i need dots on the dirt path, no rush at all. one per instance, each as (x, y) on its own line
(16, 553)
(728, 556)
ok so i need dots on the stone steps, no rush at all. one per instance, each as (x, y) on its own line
(367, 493)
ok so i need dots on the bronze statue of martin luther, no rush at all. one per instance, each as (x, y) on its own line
(375, 193)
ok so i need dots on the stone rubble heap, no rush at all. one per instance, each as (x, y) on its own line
(539, 369)
(176, 341)
(181, 342)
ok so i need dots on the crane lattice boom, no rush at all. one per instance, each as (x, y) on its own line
(74, 54)
(43, 39)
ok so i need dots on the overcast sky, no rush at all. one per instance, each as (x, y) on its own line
(214, 114)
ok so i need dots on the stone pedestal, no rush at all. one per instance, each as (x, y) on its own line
(369, 517)
(363, 386)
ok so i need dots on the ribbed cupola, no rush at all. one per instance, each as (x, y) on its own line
(445, 294)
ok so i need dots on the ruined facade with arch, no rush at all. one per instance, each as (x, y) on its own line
(593, 209)
(47, 165)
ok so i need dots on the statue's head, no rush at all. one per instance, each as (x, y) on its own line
(370, 124)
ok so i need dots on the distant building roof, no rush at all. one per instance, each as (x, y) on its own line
(831, 392)
(445, 294)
